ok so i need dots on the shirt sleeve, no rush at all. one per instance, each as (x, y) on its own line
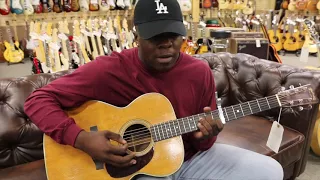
(207, 99)
(45, 105)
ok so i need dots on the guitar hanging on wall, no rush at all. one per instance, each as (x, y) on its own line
(150, 127)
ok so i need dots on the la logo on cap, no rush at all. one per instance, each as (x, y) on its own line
(161, 9)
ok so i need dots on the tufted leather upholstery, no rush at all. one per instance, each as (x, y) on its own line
(238, 78)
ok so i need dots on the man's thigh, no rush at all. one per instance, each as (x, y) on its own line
(225, 162)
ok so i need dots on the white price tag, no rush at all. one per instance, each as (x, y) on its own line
(34, 35)
(304, 56)
(275, 136)
(54, 46)
(77, 39)
(46, 37)
(42, 38)
(97, 33)
(63, 37)
(258, 43)
(35, 2)
(203, 24)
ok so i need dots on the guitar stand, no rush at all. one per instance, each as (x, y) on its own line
(11, 63)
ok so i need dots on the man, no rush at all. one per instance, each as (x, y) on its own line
(155, 66)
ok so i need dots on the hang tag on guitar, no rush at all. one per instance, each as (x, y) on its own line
(275, 136)
(304, 56)
(62, 36)
(258, 43)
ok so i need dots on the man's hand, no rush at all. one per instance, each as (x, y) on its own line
(99, 147)
(208, 127)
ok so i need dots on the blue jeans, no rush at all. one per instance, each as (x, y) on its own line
(225, 162)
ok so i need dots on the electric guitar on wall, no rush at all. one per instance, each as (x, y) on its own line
(152, 131)
(4, 7)
(13, 53)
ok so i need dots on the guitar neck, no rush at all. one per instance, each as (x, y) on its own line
(185, 125)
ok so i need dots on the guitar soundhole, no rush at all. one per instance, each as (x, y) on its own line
(138, 137)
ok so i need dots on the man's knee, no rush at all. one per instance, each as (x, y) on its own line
(270, 169)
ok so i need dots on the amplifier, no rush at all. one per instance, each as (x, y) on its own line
(257, 47)
(247, 35)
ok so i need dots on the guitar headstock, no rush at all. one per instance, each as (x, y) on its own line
(297, 96)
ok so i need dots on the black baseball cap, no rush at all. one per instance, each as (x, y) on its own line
(153, 17)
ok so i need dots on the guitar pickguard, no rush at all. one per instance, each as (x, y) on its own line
(142, 161)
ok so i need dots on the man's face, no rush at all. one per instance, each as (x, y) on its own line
(160, 52)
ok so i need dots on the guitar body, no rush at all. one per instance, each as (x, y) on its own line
(285, 4)
(4, 7)
(57, 6)
(318, 5)
(291, 43)
(16, 7)
(312, 5)
(13, 54)
(301, 4)
(75, 7)
(66, 6)
(160, 159)
(224, 4)
(206, 4)
(275, 39)
(27, 7)
(292, 5)
(93, 6)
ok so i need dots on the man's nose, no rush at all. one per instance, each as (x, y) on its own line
(165, 43)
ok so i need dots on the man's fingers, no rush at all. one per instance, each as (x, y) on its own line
(114, 136)
(207, 127)
(123, 161)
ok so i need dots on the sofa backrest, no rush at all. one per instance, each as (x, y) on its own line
(20, 139)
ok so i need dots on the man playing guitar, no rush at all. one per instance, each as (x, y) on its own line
(156, 65)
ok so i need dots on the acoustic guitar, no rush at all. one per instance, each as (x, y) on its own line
(150, 127)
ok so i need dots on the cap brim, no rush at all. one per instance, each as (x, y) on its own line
(151, 29)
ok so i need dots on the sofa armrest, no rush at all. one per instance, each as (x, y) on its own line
(249, 78)
(29, 171)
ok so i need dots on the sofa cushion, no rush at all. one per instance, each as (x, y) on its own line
(251, 132)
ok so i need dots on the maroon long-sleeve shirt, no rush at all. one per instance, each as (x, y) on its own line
(119, 79)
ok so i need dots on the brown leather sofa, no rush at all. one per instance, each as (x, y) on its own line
(238, 78)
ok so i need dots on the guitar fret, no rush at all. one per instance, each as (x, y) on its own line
(267, 102)
(250, 107)
(185, 130)
(234, 112)
(174, 128)
(241, 109)
(226, 114)
(179, 127)
(258, 104)
(162, 130)
(154, 137)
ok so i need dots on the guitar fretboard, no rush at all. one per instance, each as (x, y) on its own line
(185, 125)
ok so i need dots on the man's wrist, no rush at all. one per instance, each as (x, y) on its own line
(80, 140)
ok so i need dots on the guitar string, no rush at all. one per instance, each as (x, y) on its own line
(148, 132)
(147, 139)
(270, 101)
(266, 104)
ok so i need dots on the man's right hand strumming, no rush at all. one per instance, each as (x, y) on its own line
(99, 147)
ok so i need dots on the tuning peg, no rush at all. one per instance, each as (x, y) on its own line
(300, 84)
(282, 88)
(300, 108)
(309, 107)
(291, 87)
